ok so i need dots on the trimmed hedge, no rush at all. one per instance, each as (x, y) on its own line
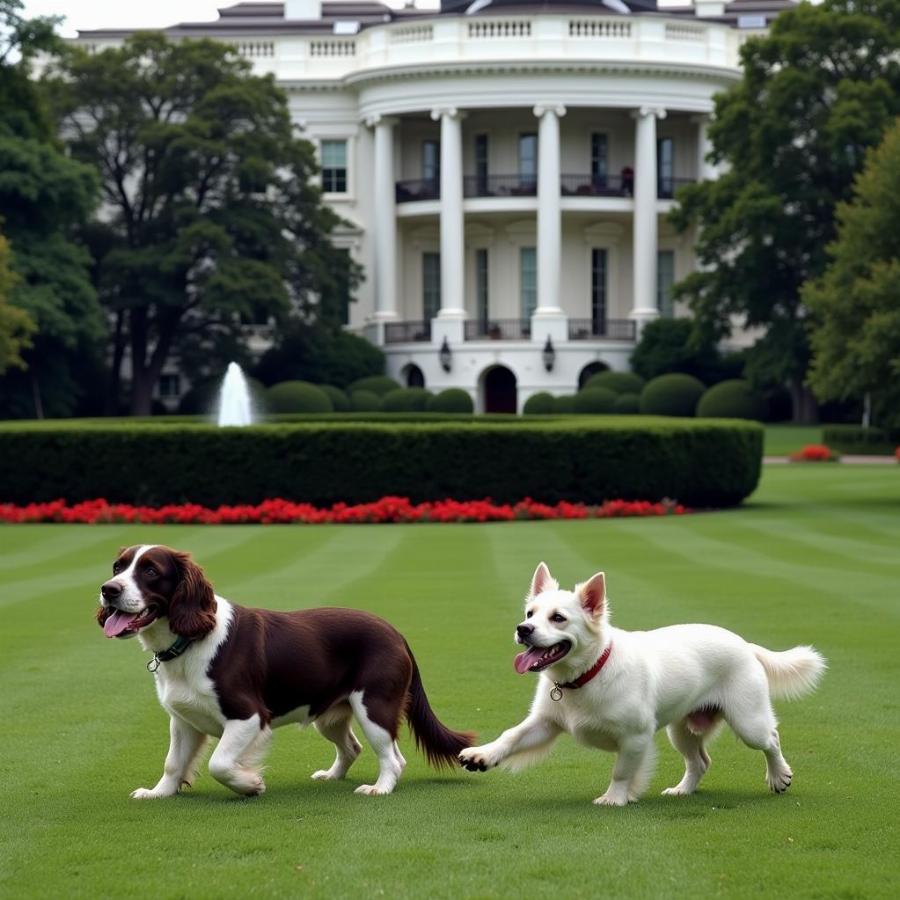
(539, 404)
(627, 404)
(865, 441)
(732, 399)
(297, 397)
(675, 394)
(364, 401)
(406, 400)
(699, 463)
(564, 405)
(452, 400)
(377, 384)
(594, 400)
(340, 402)
(617, 382)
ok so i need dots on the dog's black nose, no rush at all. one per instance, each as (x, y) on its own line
(524, 631)
(111, 590)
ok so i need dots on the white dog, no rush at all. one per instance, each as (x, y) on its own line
(614, 689)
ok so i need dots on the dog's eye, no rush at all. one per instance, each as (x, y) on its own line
(556, 617)
(151, 572)
(117, 567)
(529, 614)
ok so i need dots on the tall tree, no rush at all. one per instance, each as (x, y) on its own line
(855, 305)
(16, 326)
(816, 92)
(210, 214)
(44, 198)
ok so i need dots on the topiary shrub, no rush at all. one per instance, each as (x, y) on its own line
(627, 404)
(857, 439)
(339, 400)
(594, 400)
(540, 404)
(733, 399)
(405, 400)
(376, 384)
(564, 405)
(675, 394)
(297, 397)
(452, 400)
(364, 401)
(617, 382)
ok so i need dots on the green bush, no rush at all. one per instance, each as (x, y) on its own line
(732, 399)
(297, 397)
(617, 382)
(406, 400)
(376, 384)
(452, 400)
(594, 400)
(340, 402)
(667, 345)
(672, 395)
(539, 404)
(627, 404)
(365, 401)
(564, 405)
(698, 462)
(856, 439)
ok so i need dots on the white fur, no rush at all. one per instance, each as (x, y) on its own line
(652, 679)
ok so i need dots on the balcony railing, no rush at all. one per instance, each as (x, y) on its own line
(596, 186)
(602, 329)
(404, 332)
(497, 329)
(499, 186)
(666, 187)
(418, 189)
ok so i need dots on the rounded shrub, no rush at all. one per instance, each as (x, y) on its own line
(364, 401)
(405, 400)
(564, 405)
(617, 382)
(732, 399)
(297, 397)
(452, 400)
(674, 394)
(339, 400)
(594, 400)
(540, 404)
(627, 404)
(376, 384)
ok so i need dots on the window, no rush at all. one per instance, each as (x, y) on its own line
(528, 158)
(481, 288)
(528, 280)
(665, 167)
(431, 161)
(481, 164)
(599, 159)
(334, 167)
(598, 291)
(170, 385)
(431, 285)
(665, 278)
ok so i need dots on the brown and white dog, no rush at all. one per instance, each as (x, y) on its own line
(236, 673)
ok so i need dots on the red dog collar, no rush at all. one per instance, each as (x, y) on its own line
(584, 678)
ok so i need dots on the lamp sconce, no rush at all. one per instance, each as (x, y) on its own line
(548, 354)
(445, 355)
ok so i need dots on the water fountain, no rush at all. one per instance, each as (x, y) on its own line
(234, 398)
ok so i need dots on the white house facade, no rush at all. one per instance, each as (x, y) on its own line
(504, 169)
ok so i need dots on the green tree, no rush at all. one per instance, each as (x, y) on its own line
(44, 198)
(16, 326)
(816, 92)
(210, 216)
(855, 305)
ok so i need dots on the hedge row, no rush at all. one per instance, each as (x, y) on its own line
(856, 439)
(699, 464)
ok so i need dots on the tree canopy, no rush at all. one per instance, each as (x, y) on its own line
(855, 305)
(210, 216)
(16, 326)
(816, 92)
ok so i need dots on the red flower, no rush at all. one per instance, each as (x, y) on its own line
(814, 453)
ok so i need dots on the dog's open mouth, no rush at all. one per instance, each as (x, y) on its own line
(125, 624)
(536, 658)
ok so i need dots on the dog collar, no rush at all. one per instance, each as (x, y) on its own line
(584, 678)
(181, 644)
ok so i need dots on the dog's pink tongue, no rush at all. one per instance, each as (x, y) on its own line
(117, 623)
(524, 661)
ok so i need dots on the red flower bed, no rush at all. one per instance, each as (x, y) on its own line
(815, 453)
(387, 509)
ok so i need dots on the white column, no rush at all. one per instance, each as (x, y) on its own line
(645, 243)
(706, 171)
(385, 219)
(452, 245)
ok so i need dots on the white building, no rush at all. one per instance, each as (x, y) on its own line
(505, 168)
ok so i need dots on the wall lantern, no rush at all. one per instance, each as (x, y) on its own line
(548, 354)
(445, 355)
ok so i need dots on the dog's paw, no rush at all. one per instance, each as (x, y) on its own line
(609, 799)
(371, 790)
(780, 780)
(677, 791)
(476, 759)
(146, 794)
(325, 775)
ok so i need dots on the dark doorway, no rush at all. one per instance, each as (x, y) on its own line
(500, 393)
(414, 376)
(590, 369)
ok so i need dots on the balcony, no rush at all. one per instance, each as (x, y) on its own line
(416, 189)
(603, 329)
(499, 186)
(596, 186)
(407, 332)
(667, 187)
(497, 329)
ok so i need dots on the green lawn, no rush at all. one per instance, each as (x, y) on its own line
(781, 440)
(812, 558)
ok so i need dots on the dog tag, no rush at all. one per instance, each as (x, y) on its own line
(152, 665)
(556, 693)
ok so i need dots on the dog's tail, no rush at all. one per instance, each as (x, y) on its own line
(440, 744)
(791, 673)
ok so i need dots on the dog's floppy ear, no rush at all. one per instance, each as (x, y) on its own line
(542, 581)
(192, 608)
(592, 595)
